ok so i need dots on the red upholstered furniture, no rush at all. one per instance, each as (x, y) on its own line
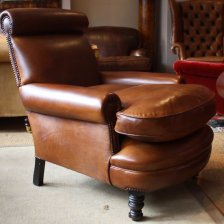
(204, 73)
(110, 126)
(197, 39)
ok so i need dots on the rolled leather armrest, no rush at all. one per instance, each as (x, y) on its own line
(74, 102)
(220, 85)
(178, 48)
(139, 78)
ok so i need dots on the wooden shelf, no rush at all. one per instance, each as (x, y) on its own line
(7, 4)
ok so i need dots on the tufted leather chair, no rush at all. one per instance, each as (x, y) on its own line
(119, 49)
(137, 131)
(197, 27)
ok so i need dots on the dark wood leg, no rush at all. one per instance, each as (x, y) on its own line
(38, 175)
(136, 203)
(27, 125)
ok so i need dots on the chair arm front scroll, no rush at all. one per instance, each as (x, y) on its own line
(178, 49)
(138, 78)
(74, 102)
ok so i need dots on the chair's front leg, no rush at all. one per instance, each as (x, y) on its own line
(38, 174)
(136, 203)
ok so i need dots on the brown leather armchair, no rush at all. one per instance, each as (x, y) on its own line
(106, 125)
(119, 49)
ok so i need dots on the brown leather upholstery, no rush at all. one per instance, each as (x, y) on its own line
(161, 154)
(139, 78)
(198, 29)
(113, 41)
(72, 109)
(68, 101)
(169, 112)
(119, 49)
(140, 164)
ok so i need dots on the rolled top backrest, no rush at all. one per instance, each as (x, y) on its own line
(48, 46)
(42, 21)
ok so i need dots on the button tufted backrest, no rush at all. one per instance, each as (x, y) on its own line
(197, 28)
(202, 26)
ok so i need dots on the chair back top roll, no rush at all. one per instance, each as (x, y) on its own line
(42, 21)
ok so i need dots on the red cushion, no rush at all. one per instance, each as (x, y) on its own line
(203, 73)
(198, 68)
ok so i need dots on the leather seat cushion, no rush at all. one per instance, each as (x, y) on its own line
(139, 156)
(156, 113)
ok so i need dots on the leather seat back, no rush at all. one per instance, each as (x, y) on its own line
(38, 59)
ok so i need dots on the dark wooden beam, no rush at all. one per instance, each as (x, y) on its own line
(29, 4)
(147, 24)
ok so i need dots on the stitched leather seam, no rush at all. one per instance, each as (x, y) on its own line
(144, 116)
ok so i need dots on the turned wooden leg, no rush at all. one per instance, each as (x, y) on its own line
(136, 203)
(38, 175)
(27, 125)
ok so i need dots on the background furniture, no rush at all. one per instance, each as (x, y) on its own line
(138, 138)
(198, 33)
(119, 49)
(204, 73)
(197, 29)
(146, 27)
